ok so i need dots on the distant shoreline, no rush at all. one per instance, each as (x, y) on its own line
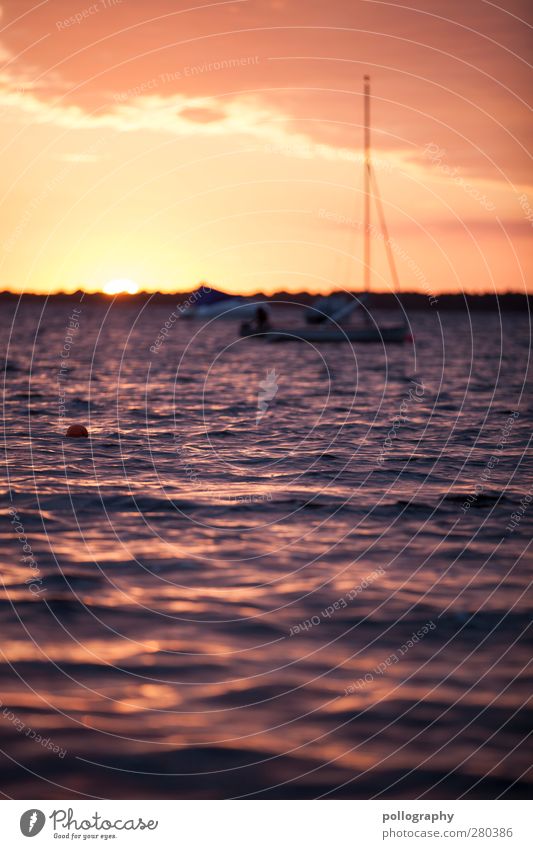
(508, 302)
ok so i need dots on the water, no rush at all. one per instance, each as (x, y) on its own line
(220, 586)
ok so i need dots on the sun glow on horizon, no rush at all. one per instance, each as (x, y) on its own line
(120, 287)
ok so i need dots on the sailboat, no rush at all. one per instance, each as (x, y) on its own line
(329, 314)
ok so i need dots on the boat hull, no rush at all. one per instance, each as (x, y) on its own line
(382, 335)
(235, 309)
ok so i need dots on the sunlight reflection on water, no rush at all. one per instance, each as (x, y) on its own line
(179, 546)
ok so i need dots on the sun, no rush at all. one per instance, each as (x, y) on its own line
(120, 287)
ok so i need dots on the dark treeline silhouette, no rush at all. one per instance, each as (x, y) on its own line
(508, 302)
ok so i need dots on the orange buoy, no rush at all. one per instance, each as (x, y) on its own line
(77, 430)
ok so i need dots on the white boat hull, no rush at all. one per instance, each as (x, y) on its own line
(383, 335)
(222, 309)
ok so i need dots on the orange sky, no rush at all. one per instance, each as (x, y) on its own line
(169, 142)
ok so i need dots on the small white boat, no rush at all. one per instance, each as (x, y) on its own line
(211, 303)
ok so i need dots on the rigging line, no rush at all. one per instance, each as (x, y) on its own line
(383, 223)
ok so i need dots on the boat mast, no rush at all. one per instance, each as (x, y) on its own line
(367, 183)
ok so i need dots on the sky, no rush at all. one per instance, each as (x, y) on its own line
(169, 143)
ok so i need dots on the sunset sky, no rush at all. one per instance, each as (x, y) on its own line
(170, 142)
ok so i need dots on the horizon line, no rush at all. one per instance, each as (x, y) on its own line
(177, 292)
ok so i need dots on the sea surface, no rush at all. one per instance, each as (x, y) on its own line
(272, 571)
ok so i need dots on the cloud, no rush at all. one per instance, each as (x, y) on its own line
(203, 115)
(451, 74)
